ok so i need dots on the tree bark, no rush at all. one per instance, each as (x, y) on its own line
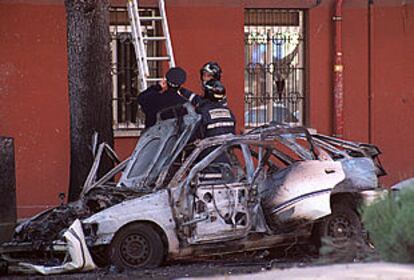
(90, 84)
(7, 189)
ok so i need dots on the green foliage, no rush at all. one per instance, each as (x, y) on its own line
(390, 223)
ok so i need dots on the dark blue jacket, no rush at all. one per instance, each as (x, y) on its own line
(217, 119)
(153, 101)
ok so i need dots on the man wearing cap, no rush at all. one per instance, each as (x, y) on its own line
(163, 95)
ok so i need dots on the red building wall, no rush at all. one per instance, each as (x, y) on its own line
(34, 99)
(319, 51)
(377, 64)
(392, 78)
(378, 77)
(356, 70)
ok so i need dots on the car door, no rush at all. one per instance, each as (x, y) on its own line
(157, 149)
(218, 200)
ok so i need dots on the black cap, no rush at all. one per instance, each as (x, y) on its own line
(176, 76)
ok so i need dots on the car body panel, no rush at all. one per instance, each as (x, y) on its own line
(226, 209)
(80, 257)
(153, 208)
(302, 192)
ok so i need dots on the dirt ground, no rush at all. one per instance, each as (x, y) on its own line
(242, 264)
(287, 263)
(360, 271)
(251, 270)
(173, 271)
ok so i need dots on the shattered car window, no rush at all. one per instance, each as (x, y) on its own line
(145, 158)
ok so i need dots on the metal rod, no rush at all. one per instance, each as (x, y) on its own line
(338, 91)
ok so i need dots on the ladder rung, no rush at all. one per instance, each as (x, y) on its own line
(154, 38)
(139, 19)
(154, 79)
(158, 58)
(150, 18)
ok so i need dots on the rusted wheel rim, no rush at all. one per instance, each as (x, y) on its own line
(135, 249)
(340, 228)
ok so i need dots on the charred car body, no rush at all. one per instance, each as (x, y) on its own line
(277, 183)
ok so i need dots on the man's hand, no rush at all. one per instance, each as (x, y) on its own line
(164, 86)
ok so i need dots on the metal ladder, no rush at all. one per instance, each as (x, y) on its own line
(140, 41)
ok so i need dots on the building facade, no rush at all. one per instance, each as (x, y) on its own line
(277, 59)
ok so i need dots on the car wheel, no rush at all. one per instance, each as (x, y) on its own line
(137, 246)
(342, 226)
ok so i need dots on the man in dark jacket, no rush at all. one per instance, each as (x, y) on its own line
(163, 95)
(216, 120)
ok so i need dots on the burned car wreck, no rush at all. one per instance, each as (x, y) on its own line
(277, 183)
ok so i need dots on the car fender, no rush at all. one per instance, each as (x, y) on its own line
(153, 208)
(303, 191)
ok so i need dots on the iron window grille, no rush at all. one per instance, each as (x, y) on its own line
(128, 117)
(274, 67)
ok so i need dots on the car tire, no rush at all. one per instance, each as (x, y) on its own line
(137, 246)
(100, 255)
(4, 266)
(342, 227)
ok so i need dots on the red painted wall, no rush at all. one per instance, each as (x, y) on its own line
(124, 146)
(34, 99)
(320, 108)
(393, 86)
(355, 59)
(378, 62)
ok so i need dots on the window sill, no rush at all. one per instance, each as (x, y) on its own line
(127, 133)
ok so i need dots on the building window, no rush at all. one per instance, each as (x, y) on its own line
(128, 118)
(274, 67)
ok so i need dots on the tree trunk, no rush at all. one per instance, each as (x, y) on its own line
(90, 88)
(7, 189)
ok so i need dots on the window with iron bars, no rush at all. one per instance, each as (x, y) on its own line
(274, 67)
(128, 118)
